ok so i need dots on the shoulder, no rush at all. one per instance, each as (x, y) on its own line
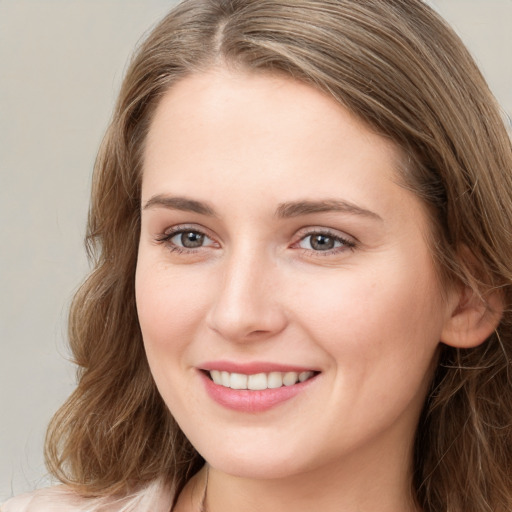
(155, 497)
(51, 499)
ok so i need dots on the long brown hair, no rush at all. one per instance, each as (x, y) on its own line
(396, 65)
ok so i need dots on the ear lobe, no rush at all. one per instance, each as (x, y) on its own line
(473, 319)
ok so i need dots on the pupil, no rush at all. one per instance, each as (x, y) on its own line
(322, 242)
(191, 239)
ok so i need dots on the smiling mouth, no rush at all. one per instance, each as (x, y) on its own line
(258, 381)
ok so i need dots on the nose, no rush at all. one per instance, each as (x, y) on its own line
(248, 303)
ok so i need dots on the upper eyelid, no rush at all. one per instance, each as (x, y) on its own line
(312, 230)
(165, 238)
(180, 228)
(171, 232)
(307, 230)
(297, 237)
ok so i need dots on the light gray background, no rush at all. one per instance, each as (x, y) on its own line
(61, 62)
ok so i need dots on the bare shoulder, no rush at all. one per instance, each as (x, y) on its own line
(155, 497)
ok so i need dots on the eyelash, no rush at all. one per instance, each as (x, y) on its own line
(165, 239)
(346, 244)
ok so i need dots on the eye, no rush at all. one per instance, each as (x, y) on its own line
(184, 239)
(189, 239)
(325, 242)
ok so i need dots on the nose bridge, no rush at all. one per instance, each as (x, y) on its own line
(247, 303)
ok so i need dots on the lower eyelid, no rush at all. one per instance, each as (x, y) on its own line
(166, 237)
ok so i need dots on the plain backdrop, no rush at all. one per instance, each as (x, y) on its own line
(61, 63)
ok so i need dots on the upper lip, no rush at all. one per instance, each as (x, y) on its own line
(253, 367)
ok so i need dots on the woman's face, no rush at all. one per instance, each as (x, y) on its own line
(279, 253)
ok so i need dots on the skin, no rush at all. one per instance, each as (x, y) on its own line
(368, 314)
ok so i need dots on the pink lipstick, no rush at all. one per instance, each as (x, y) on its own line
(254, 387)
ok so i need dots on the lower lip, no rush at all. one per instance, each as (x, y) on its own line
(244, 400)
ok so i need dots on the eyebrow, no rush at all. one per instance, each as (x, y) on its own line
(298, 208)
(180, 203)
(283, 211)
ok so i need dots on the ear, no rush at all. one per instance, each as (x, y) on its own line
(473, 318)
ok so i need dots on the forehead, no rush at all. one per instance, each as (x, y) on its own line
(223, 113)
(216, 95)
(264, 140)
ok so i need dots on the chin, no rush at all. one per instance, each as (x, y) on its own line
(263, 468)
(253, 460)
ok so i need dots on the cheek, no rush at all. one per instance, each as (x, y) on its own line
(381, 334)
(371, 303)
(169, 306)
(379, 324)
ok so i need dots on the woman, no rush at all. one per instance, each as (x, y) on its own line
(301, 294)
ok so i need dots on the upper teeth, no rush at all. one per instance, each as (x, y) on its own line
(258, 381)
